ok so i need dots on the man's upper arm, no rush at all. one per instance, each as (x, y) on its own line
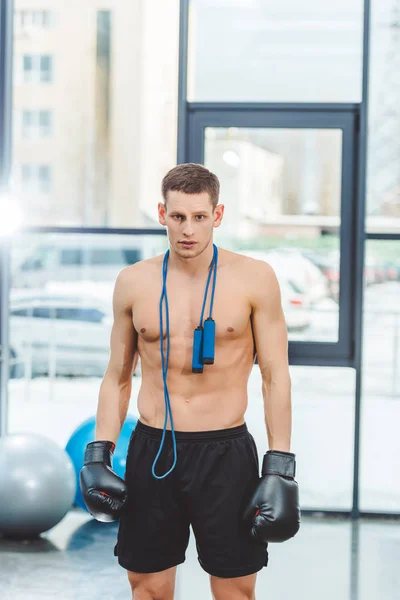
(123, 341)
(268, 321)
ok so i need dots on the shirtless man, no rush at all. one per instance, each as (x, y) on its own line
(215, 485)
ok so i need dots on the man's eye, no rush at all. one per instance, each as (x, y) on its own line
(200, 217)
(177, 216)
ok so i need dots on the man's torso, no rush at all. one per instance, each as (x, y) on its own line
(216, 398)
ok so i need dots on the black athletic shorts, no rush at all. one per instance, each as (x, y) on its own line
(215, 474)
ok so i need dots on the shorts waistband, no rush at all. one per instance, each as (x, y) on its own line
(213, 435)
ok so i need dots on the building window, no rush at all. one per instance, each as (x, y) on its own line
(43, 19)
(37, 68)
(36, 178)
(26, 176)
(44, 179)
(36, 123)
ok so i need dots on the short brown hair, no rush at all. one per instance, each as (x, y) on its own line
(191, 178)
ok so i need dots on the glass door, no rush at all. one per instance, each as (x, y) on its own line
(287, 183)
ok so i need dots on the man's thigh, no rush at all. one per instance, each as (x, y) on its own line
(147, 586)
(219, 493)
(153, 531)
(236, 588)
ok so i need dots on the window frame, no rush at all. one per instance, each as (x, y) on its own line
(344, 117)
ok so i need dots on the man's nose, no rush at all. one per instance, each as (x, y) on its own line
(188, 229)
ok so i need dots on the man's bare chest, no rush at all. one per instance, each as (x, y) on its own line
(231, 311)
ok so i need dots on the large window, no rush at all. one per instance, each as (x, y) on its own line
(60, 324)
(381, 379)
(30, 19)
(36, 178)
(37, 68)
(287, 51)
(379, 441)
(279, 117)
(36, 124)
(282, 194)
(108, 76)
(320, 419)
(271, 100)
(287, 182)
(383, 175)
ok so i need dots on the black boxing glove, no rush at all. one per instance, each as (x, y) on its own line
(103, 491)
(273, 511)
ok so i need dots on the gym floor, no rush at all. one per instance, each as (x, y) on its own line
(333, 559)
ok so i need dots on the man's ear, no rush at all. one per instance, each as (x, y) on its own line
(218, 214)
(162, 209)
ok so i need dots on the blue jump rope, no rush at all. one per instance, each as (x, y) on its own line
(203, 349)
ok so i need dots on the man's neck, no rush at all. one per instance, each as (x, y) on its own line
(193, 267)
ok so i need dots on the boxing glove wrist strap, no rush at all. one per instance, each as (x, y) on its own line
(276, 462)
(99, 451)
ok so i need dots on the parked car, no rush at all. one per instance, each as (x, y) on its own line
(392, 270)
(328, 264)
(295, 304)
(82, 257)
(301, 272)
(295, 307)
(64, 332)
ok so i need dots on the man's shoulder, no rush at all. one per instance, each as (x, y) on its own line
(141, 268)
(249, 264)
(139, 275)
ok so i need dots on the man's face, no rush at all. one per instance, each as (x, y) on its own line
(190, 220)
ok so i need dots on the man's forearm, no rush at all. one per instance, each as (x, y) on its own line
(112, 408)
(276, 390)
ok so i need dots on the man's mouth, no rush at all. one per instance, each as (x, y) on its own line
(187, 243)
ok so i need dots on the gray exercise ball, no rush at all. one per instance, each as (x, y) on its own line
(37, 485)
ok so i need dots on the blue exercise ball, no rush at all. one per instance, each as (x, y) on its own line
(84, 434)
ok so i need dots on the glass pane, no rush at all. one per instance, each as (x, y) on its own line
(71, 256)
(115, 135)
(19, 312)
(89, 315)
(323, 408)
(44, 173)
(383, 174)
(28, 124)
(27, 118)
(48, 16)
(379, 490)
(106, 256)
(287, 51)
(37, 17)
(26, 172)
(60, 325)
(40, 260)
(46, 68)
(73, 351)
(281, 189)
(44, 118)
(41, 312)
(44, 177)
(45, 63)
(28, 63)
